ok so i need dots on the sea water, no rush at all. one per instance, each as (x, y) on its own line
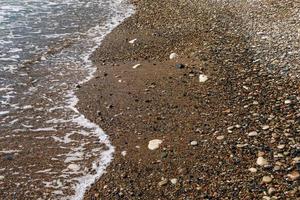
(48, 149)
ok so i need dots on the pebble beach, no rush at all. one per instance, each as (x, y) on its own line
(201, 101)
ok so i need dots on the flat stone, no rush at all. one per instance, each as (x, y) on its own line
(194, 143)
(261, 161)
(267, 179)
(281, 146)
(154, 144)
(136, 66)
(202, 78)
(265, 127)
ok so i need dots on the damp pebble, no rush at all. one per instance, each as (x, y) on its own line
(154, 144)
(267, 179)
(261, 161)
(194, 143)
(202, 78)
(173, 56)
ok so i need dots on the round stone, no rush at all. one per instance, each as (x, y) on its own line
(267, 179)
(252, 169)
(261, 161)
(154, 144)
(194, 143)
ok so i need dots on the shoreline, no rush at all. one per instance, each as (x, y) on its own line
(213, 133)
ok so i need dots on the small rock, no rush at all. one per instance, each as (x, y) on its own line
(202, 78)
(163, 182)
(287, 101)
(267, 179)
(123, 153)
(271, 191)
(180, 66)
(154, 144)
(194, 143)
(294, 175)
(136, 66)
(261, 161)
(281, 146)
(252, 169)
(173, 56)
(132, 41)
(74, 167)
(221, 137)
(252, 134)
(1, 178)
(265, 127)
(174, 181)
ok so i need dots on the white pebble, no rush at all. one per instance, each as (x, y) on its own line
(136, 66)
(265, 127)
(287, 101)
(154, 144)
(267, 179)
(174, 181)
(221, 137)
(202, 78)
(173, 56)
(1, 178)
(74, 167)
(194, 143)
(261, 161)
(123, 153)
(133, 41)
(252, 169)
(252, 134)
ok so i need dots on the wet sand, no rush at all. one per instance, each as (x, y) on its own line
(234, 136)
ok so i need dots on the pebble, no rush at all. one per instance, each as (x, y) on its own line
(74, 167)
(265, 127)
(173, 56)
(174, 181)
(252, 134)
(261, 161)
(136, 66)
(294, 175)
(271, 191)
(287, 101)
(252, 169)
(163, 182)
(1, 178)
(267, 179)
(221, 137)
(132, 41)
(123, 153)
(179, 66)
(194, 143)
(281, 146)
(154, 144)
(202, 78)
